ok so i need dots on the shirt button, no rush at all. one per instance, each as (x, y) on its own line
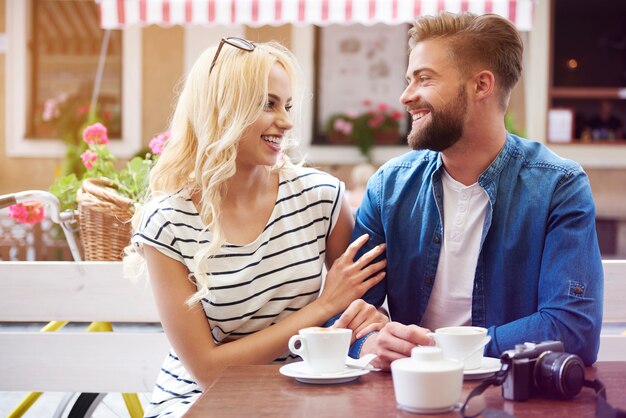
(437, 239)
(577, 290)
(464, 196)
(458, 221)
(428, 281)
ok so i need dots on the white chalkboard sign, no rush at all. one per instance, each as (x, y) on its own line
(358, 63)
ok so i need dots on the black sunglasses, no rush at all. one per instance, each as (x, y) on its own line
(240, 43)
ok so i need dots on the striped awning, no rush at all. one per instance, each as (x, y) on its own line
(117, 14)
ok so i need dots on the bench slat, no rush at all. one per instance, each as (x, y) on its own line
(81, 362)
(130, 362)
(612, 348)
(68, 291)
(614, 291)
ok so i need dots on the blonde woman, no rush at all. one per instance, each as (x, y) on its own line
(235, 236)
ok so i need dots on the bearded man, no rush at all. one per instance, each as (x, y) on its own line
(482, 227)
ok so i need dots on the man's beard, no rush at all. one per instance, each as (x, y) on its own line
(445, 127)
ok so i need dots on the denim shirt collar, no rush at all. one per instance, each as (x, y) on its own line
(488, 180)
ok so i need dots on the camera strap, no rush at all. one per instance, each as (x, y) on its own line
(603, 408)
(496, 380)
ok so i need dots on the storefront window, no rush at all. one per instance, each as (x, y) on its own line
(588, 72)
(65, 46)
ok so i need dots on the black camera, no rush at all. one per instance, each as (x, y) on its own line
(542, 369)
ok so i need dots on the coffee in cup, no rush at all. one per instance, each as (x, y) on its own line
(324, 350)
(462, 343)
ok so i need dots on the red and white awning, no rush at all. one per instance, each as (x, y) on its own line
(117, 14)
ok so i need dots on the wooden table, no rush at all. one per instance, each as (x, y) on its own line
(261, 391)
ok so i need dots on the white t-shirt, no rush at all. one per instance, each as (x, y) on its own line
(252, 286)
(464, 210)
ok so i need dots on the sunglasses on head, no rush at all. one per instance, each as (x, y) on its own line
(239, 43)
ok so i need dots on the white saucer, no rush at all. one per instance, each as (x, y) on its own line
(299, 371)
(488, 367)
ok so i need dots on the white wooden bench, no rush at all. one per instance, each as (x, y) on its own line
(129, 362)
(613, 345)
(70, 361)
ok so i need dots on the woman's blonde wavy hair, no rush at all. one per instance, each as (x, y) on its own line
(211, 115)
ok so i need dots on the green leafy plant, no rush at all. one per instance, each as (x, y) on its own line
(131, 181)
(66, 116)
(509, 124)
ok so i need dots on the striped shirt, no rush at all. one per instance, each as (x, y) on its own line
(251, 286)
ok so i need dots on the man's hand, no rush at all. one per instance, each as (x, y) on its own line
(395, 341)
(361, 318)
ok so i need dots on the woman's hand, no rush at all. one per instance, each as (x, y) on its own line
(348, 280)
(362, 318)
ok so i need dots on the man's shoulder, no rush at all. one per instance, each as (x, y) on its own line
(534, 154)
(410, 162)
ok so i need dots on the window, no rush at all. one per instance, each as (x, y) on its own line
(589, 68)
(52, 64)
(66, 43)
(359, 78)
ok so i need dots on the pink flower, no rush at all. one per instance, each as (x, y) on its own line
(96, 134)
(82, 109)
(376, 121)
(396, 115)
(367, 102)
(89, 158)
(383, 107)
(28, 212)
(343, 126)
(50, 110)
(158, 142)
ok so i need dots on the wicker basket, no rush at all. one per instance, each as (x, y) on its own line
(104, 217)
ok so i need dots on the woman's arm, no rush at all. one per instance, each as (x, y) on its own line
(360, 316)
(189, 332)
(340, 237)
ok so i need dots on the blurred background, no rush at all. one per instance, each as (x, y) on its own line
(121, 62)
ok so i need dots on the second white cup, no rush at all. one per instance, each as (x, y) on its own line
(463, 343)
(324, 350)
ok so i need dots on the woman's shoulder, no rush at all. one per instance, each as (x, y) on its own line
(177, 199)
(309, 186)
(168, 206)
(308, 176)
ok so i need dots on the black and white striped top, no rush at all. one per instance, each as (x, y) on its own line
(251, 286)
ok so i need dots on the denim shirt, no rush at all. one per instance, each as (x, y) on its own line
(539, 272)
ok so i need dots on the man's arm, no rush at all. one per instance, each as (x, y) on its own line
(570, 281)
(368, 221)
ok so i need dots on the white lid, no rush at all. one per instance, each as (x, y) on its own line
(428, 360)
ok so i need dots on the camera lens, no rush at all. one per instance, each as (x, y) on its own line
(559, 375)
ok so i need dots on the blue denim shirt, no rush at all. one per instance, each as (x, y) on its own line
(539, 272)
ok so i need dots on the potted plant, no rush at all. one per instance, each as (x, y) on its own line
(104, 197)
(376, 124)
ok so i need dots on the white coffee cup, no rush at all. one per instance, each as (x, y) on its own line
(463, 343)
(324, 350)
(427, 382)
